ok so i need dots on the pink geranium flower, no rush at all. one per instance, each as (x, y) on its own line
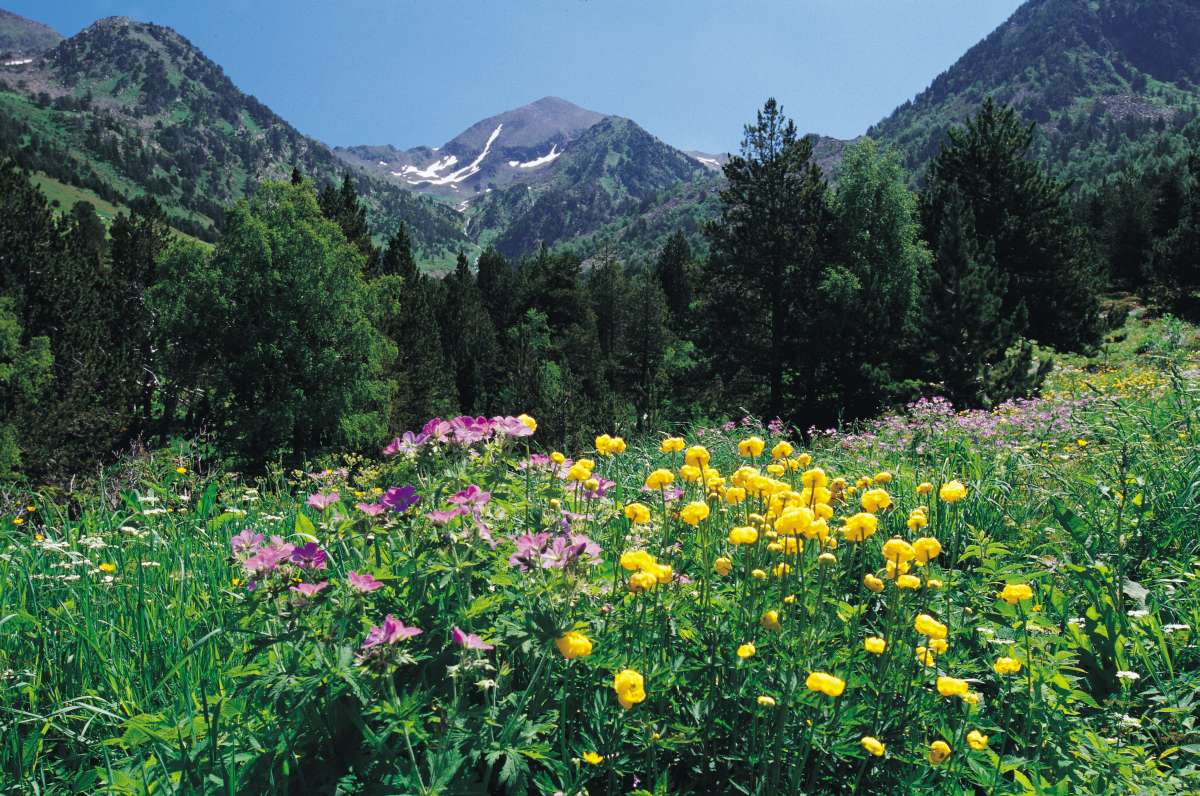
(322, 502)
(310, 589)
(391, 631)
(365, 582)
(469, 641)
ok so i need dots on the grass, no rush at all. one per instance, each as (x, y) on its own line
(136, 658)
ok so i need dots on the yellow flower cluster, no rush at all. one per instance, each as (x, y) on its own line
(647, 572)
(574, 645)
(630, 688)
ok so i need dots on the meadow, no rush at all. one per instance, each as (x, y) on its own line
(999, 601)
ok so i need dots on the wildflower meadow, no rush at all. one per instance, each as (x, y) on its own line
(940, 602)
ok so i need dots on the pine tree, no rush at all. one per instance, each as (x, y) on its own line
(1174, 266)
(26, 370)
(468, 338)
(341, 206)
(1024, 215)
(766, 254)
(673, 271)
(497, 285)
(972, 344)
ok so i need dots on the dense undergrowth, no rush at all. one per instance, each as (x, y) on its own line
(937, 602)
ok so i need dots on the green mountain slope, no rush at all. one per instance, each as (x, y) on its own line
(1105, 81)
(125, 108)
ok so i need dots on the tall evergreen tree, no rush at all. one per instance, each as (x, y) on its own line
(468, 338)
(341, 206)
(673, 271)
(1174, 264)
(1023, 214)
(972, 346)
(26, 370)
(497, 285)
(766, 253)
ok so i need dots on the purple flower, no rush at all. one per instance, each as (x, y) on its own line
(406, 443)
(365, 582)
(561, 553)
(310, 589)
(444, 517)
(245, 542)
(437, 430)
(400, 498)
(371, 509)
(268, 557)
(309, 556)
(598, 492)
(511, 427)
(469, 641)
(529, 550)
(391, 631)
(472, 497)
(322, 502)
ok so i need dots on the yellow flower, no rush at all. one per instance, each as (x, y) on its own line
(908, 582)
(893, 570)
(630, 688)
(926, 625)
(672, 445)
(18, 521)
(971, 698)
(917, 520)
(30, 509)
(779, 570)
(689, 473)
(924, 488)
(776, 469)
(939, 645)
(758, 574)
(873, 583)
(951, 686)
(694, 513)
(528, 422)
(743, 534)
(939, 751)
(952, 492)
(933, 583)
(924, 656)
(860, 527)
(697, 456)
(751, 447)
(609, 446)
(181, 470)
(746, 650)
(804, 460)
(873, 745)
(830, 558)
(591, 758)
(659, 478)
(557, 457)
(1014, 593)
(108, 567)
(814, 478)
(883, 477)
(875, 645)
(662, 572)
(782, 450)
(770, 620)
(637, 513)
(578, 473)
(637, 559)
(587, 464)
(574, 645)
(735, 495)
(875, 500)
(592, 484)
(766, 701)
(642, 581)
(1007, 665)
(723, 566)
(977, 740)
(896, 549)
(825, 683)
(794, 521)
(927, 549)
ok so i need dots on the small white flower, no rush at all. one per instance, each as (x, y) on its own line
(1176, 628)
(1130, 676)
(152, 512)
(1130, 721)
(1139, 613)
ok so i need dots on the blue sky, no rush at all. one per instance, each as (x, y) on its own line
(692, 72)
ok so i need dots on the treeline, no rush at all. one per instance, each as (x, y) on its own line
(297, 334)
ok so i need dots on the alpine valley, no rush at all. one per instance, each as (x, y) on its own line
(126, 108)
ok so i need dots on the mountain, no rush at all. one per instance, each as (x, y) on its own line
(22, 38)
(1105, 82)
(125, 108)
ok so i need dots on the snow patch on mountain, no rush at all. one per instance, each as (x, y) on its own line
(548, 157)
(453, 177)
(712, 163)
(428, 173)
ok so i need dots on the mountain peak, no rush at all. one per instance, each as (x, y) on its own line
(25, 37)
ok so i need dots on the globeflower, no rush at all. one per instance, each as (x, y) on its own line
(952, 492)
(574, 645)
(751, 447)
(642, 581)
(883, 477)
(917, 520)
(592, 758)
(528, 422)
(896, 549)
(694, 513)
(825, 683)
(637, 513)
(782, 450)
(875, 500)
(908, 582)
(873, 745)
(795, 520)
(977, 740)
(860, 527)
(697, 456)
(926, 625)
(766, 701)
(814, 478)
(770, 620)
(690, 473)
(743, 535)
(746, 650)
(939, 751)
(735, 495)
(927, 549)
(951, 686)
(723, 566)
(630, 688)
(1014, 593)
(671, 445)
(1007, 665)
(609, 446)
(632, 560)
(659, 478)
(873, 583)
(875, 645)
